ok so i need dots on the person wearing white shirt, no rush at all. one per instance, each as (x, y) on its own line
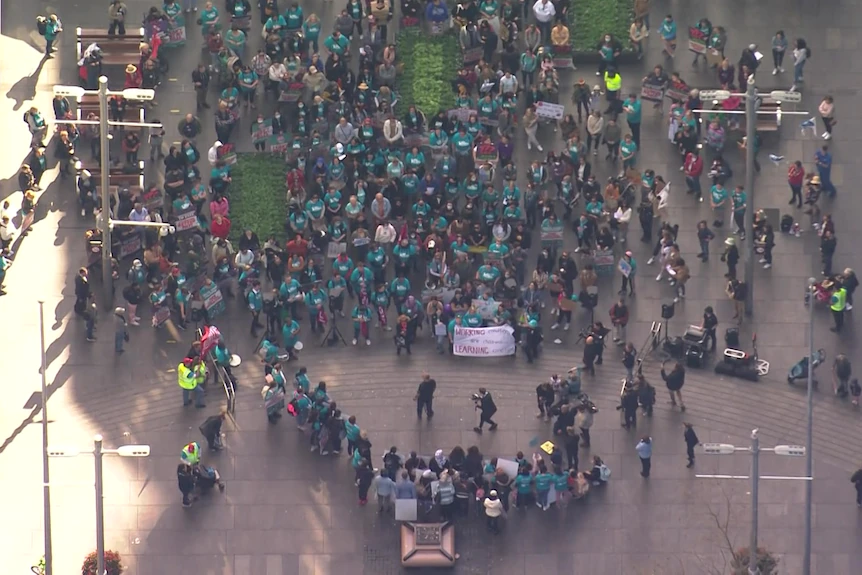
(393, 131)
(385, 235)
(544, 11)
(212, 154)
(508, 83)
(244, 259)
(139, 213)
(277, 71)
(623, 216)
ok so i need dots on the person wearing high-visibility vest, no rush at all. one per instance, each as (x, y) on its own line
(191, 376)
(191, 453)
(837, 304)
(613, 85)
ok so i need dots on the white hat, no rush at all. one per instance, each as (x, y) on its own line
(137, 263)
(119, 311)
(339, 151)
(218, 144)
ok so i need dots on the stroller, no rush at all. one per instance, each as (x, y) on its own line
(206, 478)
(799, 370)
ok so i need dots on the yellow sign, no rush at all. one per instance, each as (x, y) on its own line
(547, 447)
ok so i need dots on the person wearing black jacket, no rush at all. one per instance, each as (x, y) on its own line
(828, 243)
(186, 483)
(691, 441)
(850, 283)
(709, 324)
(82, 290)
(768, 240)
(674, 381)
(425, 396)
(201, 82)
(856, 479)
(487, 408)
(532, 339)
(629, 407)
(211, 430)
(544, 399)
(646, 395)
(571, 442)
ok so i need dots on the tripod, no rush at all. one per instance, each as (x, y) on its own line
(333, 334)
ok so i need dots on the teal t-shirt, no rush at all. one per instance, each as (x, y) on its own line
(633, 117)
(718, 194)
(524, 483)
(543, 481)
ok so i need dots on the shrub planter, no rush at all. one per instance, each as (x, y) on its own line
(767, 563)
(258, 196)
(429, 63)
(113, 566)
(590, 20)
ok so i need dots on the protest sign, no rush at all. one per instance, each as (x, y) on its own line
(484, 341)
(550, 111)
(293, 92)
(603, 261)
(651, 93)
(161, 315)
(227, 153)
(213, 300)
(461, 114)
(187, 219)
(552, 233)
(677, 91)
(261, 131)
(278, 144)
(486, 308)
(696, 40)
(472, 55)
(130, 243)
(625, 267)
(176, 32)
(152, 198)
(335, 249)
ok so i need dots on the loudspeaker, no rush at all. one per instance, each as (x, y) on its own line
(731, 337)
(742, 371)
(694, 357)
(667, 310)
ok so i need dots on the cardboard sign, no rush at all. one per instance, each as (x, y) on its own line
(227, 153)
(130, 244)
(176, 32)
(603, 261)
(550, 111)
(461, 114)
(696, 40)
(472, 55)
(624, 267)
(293, 92)
(153, 198)
(553, 233)
(161, 315)
(213, 300)
(335, 249)
(278, 144)
(678, 92)
(713, 57)
(261, 131)
(486, 121)
(187, 219)
(651, 93)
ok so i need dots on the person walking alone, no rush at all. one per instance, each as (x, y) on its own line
(117, 11)
(644, 450)
(827, 114)
(691, 441)
(487, 408)
(856, 479)
(425, 396)
(494, 509)
(674, 381)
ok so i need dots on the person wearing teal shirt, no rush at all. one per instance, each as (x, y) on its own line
(337, 43)
(377, 260)
(487, 107)
(241, 9)
(739, 201)
(472, 318)
(311, 31)
(405, 256)
(276, 24)
(511, 192)
(380, 299)
(438, 138)
(290, 334)
(255, 306)
(298, 222)
(459, 246)
(361, 277)
(209, 20)
(293, 17)
(471, 186)
(632, 107)
(171, 9)
(488, 274)
(462, 143)
(400, 289)
(513, 213)
(270, 351)
(464, 102)
(410, 184)
(315, 207)
(490, 196)
(529, 62)
(498, 251)
(440, 225)
(332, 199)
(523, 487)
(235, 39)
(628, 150)
(489, 8)
(361, 316)
(248, 81)
(415, 161)
(420, 209)
(718, 201)
(315, 300)
(543, 486)
(594, 207)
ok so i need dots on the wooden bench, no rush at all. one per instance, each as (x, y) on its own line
(116, 50)
(116, 177)
(89, 104)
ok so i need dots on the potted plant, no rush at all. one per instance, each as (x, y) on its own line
(767, 563)
(113, 566)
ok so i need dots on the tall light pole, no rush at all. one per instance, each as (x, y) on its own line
(98, 452)
(754, 450)
(46, 480)
(809, 431)
(104, 124)
(751, 112)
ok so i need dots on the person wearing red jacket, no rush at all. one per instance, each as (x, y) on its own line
(220, 227)
(693, 169)
(795, 178)
(619, 319)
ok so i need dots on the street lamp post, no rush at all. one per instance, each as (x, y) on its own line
(754, 450)
(105, 223)
(98, 452)
(46, 480)
(751, 112)
(809, 431)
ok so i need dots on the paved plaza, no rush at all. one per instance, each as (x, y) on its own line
(287, 511)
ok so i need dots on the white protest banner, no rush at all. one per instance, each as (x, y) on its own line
(550, 111)
(484, 341)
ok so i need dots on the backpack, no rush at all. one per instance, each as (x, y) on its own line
(786, 223)
(25, 118)
(604, 472)
(42, 25)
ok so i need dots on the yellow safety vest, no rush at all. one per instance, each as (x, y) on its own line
(839, 300)
(613, 84)
(186, 377)
(191, 453)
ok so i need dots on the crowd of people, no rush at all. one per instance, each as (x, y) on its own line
(427, 210)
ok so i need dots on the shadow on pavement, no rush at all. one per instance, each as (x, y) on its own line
(24, 89)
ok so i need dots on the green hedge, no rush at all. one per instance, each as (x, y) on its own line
(258, 198)
(429, 65)
(589, 20)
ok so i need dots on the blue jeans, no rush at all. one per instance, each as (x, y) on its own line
(198, 393)
(797, 72)
(704, 248)
(542, 497)
(119, 339)
(826, 182)
(91, 327)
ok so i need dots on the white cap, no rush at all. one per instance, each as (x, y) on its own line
(339, 151)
